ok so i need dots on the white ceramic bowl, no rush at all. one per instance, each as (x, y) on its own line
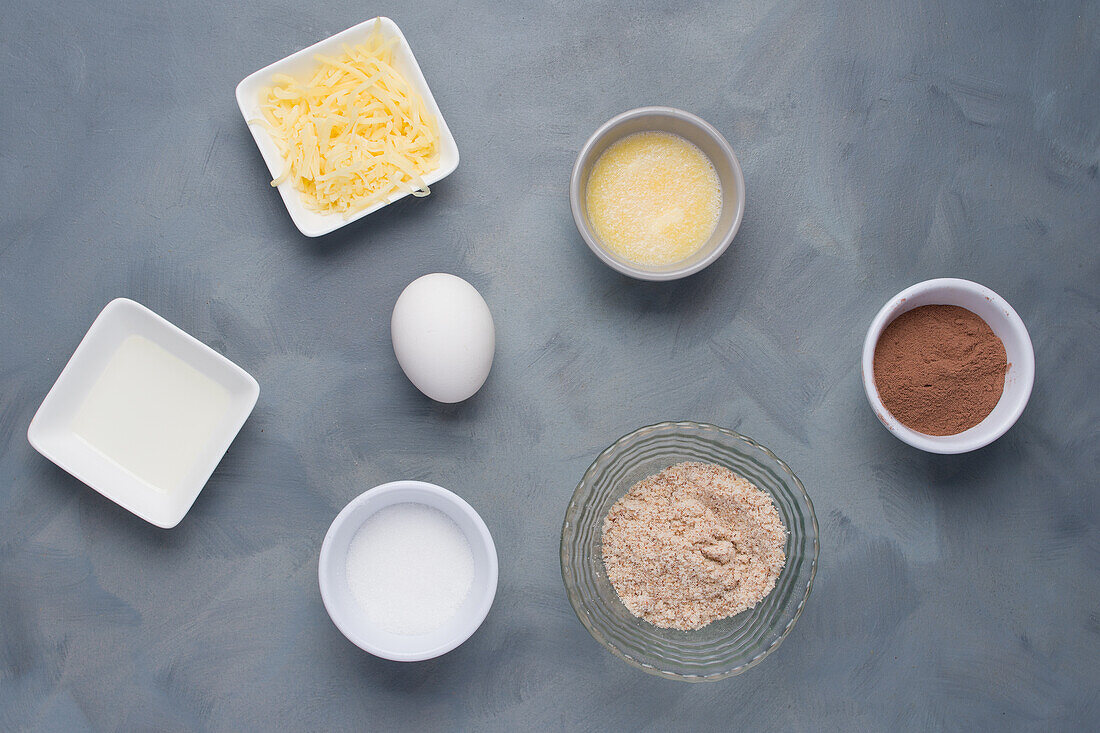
(1008, 327)
(309, 222)
(51, 431)
(342, 606)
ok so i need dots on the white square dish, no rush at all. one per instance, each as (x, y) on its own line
(297, 64)
(82, 419)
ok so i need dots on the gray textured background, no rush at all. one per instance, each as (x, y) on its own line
(883, 143)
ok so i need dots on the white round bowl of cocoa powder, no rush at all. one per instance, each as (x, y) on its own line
(947, 366)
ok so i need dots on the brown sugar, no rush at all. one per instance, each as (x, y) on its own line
(693, 544)
(939, 369)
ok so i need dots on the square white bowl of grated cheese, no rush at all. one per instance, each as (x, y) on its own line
(298, 65)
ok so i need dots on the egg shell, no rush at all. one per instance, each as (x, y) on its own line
(443, 337)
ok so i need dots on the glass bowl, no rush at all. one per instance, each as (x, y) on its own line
(726, 647)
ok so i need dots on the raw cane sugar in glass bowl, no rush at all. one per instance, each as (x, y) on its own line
(723, 648)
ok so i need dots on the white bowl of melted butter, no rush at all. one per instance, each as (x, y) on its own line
(657, 193)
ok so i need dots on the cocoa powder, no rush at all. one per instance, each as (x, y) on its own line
(939, 369)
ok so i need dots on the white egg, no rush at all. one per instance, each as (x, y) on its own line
(443, 336)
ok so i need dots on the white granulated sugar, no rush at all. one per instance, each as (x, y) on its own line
(410, 567)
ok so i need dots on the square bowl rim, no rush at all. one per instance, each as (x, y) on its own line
(40, 440)
(290, 196)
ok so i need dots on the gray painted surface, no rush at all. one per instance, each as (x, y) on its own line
(883, 143)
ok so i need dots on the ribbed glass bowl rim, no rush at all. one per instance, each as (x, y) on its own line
(577, 602)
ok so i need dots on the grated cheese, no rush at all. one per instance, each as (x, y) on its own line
(354, 133)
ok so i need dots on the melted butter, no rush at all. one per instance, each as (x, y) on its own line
(653, 198)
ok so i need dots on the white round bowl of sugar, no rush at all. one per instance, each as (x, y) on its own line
(408, 571)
